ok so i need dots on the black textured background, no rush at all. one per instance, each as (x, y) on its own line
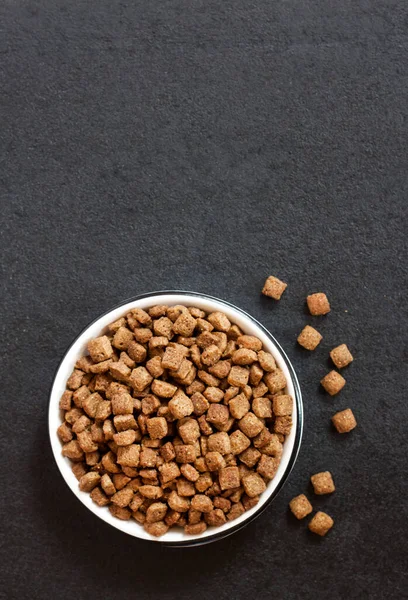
(203, 145)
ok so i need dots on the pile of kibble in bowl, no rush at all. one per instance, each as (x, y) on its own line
(176, 418)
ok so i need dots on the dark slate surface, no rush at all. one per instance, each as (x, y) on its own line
(204, 145)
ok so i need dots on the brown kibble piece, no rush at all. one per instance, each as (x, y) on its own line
(64, 433)
(238, 376)
(99, 497)
(323, 483)
(249, 341)
(333, 383)
(219, 442)
(344, 421)
(157, 428)
(253, 484)
(107, 485)
(266, 361)
(123, 514)
(262, 407)
(122, 404)
(180, 405)
(216, 518)
(163, 389)
(300, 506)
(341, 356)
(239, 442)
(229, 478)
(274, 287)
(219, 321)
(318, 304)
(282, 405)
(140, 378)
(128, 456)
(244, 356)
(195, 529)
(89, 481)
(100, 349)
(123, 497)
(275, 381)
(250, 425)
(211, 355)
(321, 523)
(125, 438)
(283, 425)
(267, 466)
(309, 338)
(184, 325)
(73, 450)
(156, 512)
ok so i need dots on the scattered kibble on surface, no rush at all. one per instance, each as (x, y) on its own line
(300, 506)
(309, 338)
(341, 356)
(333, 383)
(274, 287)
(344, 421)
(318, 304)
(321, 523)
(323, 483)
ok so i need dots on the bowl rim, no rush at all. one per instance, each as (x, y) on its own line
(298, 400)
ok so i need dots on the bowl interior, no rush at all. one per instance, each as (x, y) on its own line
(248, 326)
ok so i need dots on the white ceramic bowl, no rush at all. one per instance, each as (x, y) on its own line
(249, 325)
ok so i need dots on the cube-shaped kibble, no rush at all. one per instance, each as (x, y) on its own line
(250, 425)
(140, 378)
(163, 389)
(155, 368)
(239, 406)
(89, 481)
(250, 456)
(214, 461)
(185, 453)
(100, 349)
(282, 405)
(318, 304)
(239, 442)
(262, 407)
(202, 503)
(200, 403)
(86, 442)
(321, 523)
(205, 427)
(189, 472)
(173, 357)
(309, 338)
(128, 456)
(255, 375)
(238, 376)
(229, 478)
(157, 428)
(204, 482)
(283, 425)
(323, 483)
(72, 450)
(274, 287)
(189, 430)
(333, 383)
(185, 487)
(184, 325)
(123, 497)
(267, 466)
(220, 369)
(344, 421)
(122, 403)
(341, 356)
(180, 405)
(64, 433)
(218, 414)
(244, 356)
(215, 518)
(120, 371)
(211, 355)
(249, 341)
(300, 506)
(122, 338)
(219, 442)
(275, 381)
(213, 394)
(168, 472)
(253, 484)
(178, 503)
(266, 361)
(219, 321)
(90, 404)
(156, 512)
(75, 380)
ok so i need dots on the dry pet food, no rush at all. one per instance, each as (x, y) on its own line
(309, 338)
(333, 383)
(321, 523)
(274, 287)
(176, 418)
(344, 421)
(341, 356)
(300, 506)
(318, 304)
(323, 483)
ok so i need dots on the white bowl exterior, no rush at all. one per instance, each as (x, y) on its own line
(80, 347)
